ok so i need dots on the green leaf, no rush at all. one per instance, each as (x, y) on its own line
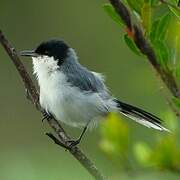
(166, 154)
(159, 28)
(154, 30)
(142, 153)
(163, 26)
(154, 2)
(177, 71)
(176, 101)
(146, 16)
(130, 43)
(112, 13)
(175, 11)
(162, 52)
(171, 121)
(174, 56)
(115, 134)
(158, 36)
(175, 2)
(136, 5)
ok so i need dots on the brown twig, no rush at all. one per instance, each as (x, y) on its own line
(145, 47)
(34, 97)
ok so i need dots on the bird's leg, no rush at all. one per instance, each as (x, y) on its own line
(73, 143)
(46, 116)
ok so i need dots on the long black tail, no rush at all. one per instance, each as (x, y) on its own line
(140, 116)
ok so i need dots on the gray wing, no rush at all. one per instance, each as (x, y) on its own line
(84, 79)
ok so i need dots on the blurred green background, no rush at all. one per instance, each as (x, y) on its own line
(25, 151)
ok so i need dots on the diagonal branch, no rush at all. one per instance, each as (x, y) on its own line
(34, 97)
(145, 47)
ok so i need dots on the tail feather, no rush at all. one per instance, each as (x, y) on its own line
(147, 119)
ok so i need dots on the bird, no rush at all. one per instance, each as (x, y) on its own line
(74, 95)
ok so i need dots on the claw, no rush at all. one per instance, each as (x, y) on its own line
(46, 116)
(73, 143)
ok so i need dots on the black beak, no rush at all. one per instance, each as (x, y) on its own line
(31, 53)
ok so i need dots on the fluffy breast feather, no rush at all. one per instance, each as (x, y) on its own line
(69, 104)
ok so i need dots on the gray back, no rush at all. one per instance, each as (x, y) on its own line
(81, 77)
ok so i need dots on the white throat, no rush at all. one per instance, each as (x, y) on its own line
(44, 66)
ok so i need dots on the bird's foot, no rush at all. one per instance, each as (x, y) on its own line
(46, 116)
(73, 143)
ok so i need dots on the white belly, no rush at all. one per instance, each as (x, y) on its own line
(68, 104)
